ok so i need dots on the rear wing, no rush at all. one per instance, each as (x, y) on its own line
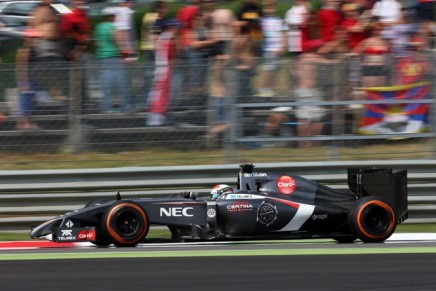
(383, 183)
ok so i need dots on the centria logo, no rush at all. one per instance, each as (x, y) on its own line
(240, 206)
(286, 184)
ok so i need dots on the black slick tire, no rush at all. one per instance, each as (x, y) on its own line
(125, 224)
(372, 219)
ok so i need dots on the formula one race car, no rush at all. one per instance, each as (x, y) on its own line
(263, 205)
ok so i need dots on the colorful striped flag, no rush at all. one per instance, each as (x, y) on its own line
(397, 118)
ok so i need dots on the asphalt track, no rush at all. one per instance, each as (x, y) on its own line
(402, 264)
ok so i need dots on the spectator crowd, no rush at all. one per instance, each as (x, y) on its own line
(186, 57)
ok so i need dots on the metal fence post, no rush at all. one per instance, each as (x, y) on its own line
(337, 110)
(76, 136)
(231, 134)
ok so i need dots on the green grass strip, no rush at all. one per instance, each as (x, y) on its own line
(221, 253)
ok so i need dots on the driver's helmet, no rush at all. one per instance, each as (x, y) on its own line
(220, 189)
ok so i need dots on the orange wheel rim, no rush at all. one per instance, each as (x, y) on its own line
(113, 232)
(382, 205)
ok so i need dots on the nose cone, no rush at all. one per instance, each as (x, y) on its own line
(45, 228)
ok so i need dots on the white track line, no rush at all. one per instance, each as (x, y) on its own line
(395, 238)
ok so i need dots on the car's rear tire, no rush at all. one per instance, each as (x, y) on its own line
(372, 219)
(125, 224)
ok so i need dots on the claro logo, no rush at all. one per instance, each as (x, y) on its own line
(177, 211)
(286, 184)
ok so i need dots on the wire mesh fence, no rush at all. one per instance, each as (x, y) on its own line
(337, 106)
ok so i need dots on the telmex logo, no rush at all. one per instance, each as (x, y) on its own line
(286, 184)
(177, 211)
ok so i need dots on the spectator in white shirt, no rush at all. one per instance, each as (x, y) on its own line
(295, 19)
(387, 11)
(274, 45)
(124, 24)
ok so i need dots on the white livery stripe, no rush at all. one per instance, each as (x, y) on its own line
(302, 215)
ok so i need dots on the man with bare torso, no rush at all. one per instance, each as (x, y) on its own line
(309, 116)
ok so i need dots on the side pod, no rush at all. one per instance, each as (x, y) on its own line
(383, 183)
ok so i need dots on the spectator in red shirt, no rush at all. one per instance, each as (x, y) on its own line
(329, 18)
(186, 16)
(185, 71)
(76, 30)
(416, 67)
(357, 28)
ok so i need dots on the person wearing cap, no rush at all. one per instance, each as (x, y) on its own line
(249, 14)
(110, 49)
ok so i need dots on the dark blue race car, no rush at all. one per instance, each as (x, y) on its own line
(263, 205)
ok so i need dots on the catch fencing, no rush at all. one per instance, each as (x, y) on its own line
(70, 117)
(30, 197)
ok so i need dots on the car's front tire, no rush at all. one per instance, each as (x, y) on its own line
(372, 219)
(125, 224)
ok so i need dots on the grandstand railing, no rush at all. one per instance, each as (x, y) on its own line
(79, 126)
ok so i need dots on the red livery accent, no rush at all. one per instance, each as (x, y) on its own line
(290, 203)
(86, 235)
